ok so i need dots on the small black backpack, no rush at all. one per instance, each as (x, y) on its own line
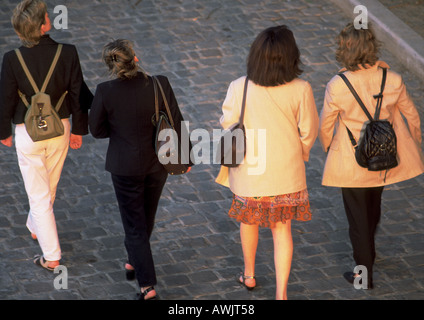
(377, 148)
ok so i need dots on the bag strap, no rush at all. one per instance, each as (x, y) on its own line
(355, 94)
(60, 102)
(243, 104)
(156, 83)
(28, 74)
(352, 138)
(52, 67)
(155, 89)
(379, 96)
(46, 81)
(49, 74)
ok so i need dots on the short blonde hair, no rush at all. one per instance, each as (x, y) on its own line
(357, 47)
(27, 19)
(119, 55)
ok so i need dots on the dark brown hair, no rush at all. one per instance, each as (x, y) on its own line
(119, 57)
(274, 57)
(357, 47)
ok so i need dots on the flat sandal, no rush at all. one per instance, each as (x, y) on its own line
(241, 275)
(40, 261)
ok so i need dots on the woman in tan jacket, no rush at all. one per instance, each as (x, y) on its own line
(281, 120)
(362, 189)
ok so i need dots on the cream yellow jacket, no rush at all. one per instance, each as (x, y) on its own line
(341, 110)
(282, 125)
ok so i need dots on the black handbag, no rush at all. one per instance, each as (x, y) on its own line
(168, 150)
(377, 148)
(232, 145)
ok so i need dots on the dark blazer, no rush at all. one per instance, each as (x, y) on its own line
(122, 111)
(67, 76)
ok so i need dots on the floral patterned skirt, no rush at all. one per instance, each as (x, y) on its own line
(267, 211)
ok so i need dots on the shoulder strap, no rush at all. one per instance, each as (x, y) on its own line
(355, 94)
(60, 102)
(379, 96)
(156, 80)
(28, 74)
(46, 81)
(155, 89)
(49, 74)
(243, 104)
(52, 67)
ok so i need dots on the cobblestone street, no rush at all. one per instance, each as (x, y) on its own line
(201, 46)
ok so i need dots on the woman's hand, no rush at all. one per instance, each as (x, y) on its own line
(75, 142)
(7, 142)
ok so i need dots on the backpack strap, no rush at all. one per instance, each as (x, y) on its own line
(46, 81)
(59, 103)
(379, 96)
(28, 74)
(355, 94)
(52, 67)
(352, 138)
(23, 98)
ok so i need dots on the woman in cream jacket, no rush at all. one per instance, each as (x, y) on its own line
(362, 189)
(281, 120)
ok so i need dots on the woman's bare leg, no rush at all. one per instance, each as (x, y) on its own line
(283, 253)
(249, 235)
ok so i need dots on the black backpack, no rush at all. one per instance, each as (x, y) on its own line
(377, 148)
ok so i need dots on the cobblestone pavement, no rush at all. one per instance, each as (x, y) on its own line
(201, 46)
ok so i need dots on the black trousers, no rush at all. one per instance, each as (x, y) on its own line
(138, 199)
(363, 211)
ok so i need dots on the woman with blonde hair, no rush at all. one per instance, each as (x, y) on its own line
(41, 162)
(283, 106)
(362, 189)
(122, 111)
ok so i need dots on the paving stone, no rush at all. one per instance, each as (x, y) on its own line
(201, 46)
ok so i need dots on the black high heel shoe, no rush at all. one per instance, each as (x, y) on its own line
(129, 273)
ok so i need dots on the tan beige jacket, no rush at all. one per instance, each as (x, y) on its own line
(341, 110)
(288, 119)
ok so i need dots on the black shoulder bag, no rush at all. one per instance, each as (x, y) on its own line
(167, 143)
(232, 145)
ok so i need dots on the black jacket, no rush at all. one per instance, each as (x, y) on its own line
(122, 111)
(67, 76)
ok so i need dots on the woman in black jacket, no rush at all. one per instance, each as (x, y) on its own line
(122, 111)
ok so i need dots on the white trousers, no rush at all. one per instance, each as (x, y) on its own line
(41, 165)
